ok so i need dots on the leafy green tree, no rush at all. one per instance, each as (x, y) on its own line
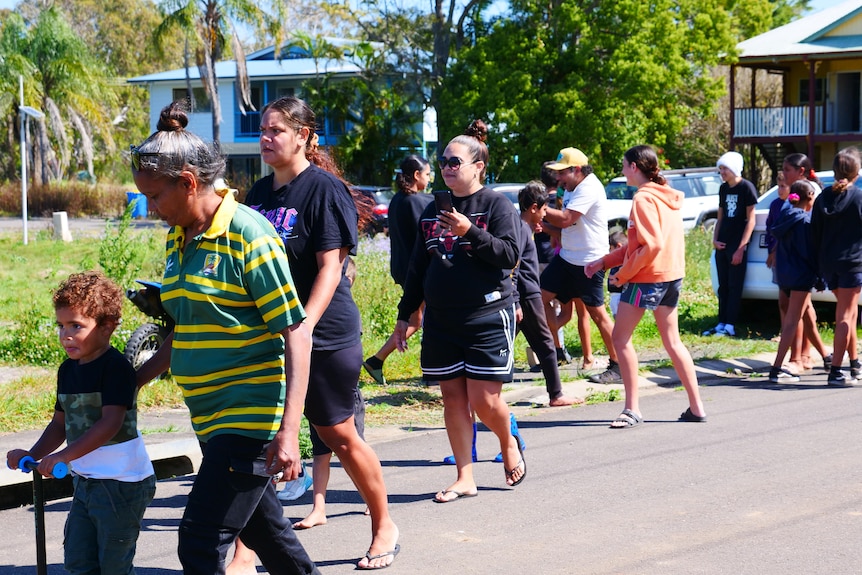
(120, 34)
(13, 66)
(601, 76)
(422, 42)
(208, 27)
(380, 105)
(65, 81)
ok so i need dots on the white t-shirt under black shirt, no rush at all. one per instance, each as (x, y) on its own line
(587, 239)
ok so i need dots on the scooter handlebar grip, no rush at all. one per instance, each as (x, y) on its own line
(28, 464)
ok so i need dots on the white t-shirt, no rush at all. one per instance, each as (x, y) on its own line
(587, 239)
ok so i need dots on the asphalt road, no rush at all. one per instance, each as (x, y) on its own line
(770, 485)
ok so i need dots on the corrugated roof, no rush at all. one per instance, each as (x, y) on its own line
(812, 35)
(300, 67)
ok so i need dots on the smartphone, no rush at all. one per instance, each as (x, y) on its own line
(443, 201)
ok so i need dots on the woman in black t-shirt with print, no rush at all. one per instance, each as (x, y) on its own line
(315, 214)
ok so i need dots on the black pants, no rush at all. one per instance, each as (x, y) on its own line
(232, 496)
(730, 279)
(538, 336)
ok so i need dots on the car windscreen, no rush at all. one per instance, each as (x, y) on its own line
(619, 191)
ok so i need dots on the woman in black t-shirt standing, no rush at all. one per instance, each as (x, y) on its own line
(316, 217)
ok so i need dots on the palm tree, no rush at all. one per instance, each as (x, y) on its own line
(69, 84)
(208, 25)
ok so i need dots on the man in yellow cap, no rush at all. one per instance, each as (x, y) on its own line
(583, 229)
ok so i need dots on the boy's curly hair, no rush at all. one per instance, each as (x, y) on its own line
(93, 295)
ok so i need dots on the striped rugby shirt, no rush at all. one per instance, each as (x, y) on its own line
(231, 294)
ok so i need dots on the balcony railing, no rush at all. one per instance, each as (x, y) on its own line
(775, 122)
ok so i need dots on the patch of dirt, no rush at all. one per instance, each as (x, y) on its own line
(10, 374)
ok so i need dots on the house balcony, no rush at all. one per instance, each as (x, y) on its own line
(776, 123)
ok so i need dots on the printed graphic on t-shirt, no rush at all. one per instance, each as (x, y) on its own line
(732, 201)
(282, 219)
(444, 241)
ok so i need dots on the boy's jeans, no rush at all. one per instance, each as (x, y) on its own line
(103, 524)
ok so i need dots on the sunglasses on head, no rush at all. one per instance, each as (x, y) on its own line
(454, 162)
(136, 155)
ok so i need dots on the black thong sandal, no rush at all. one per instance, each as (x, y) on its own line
(511, 472)
(370, 557)
(627, 419)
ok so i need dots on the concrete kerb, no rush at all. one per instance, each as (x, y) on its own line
(174, 450)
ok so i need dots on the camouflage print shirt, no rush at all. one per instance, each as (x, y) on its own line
(82, 391)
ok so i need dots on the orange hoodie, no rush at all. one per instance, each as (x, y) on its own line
(656, 242)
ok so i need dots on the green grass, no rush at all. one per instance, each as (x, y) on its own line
(28, 274)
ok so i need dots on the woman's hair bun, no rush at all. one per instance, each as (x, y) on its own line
(477, 129)
(173, 118)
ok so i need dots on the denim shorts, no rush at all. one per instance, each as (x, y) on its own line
(651, 295)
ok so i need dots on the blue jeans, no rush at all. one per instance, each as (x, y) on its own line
(234, 495)
(103, 525)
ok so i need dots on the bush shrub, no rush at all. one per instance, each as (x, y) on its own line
(78, 199)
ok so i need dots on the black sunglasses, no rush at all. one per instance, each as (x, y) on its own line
(136, 155)
(454, 162)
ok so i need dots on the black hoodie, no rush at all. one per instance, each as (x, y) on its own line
(836, 230)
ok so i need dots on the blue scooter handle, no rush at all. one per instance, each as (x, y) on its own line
(28, 464)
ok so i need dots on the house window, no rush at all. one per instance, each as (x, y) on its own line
(201, 103)
(282, 91)
(819, 90)
(336, 123)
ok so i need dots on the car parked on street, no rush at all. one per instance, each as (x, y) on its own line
(381, 196)
(699, 208)
(509, 190)
(758, 283)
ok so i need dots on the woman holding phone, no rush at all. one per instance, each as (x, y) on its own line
(463, 275)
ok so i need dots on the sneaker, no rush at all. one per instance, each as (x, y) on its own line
(450, 459)
(563, 356)
(717, 330)
(294, 489)
(855, 373)
(376, 374)
(838, 379)
(778, 375)
(610, 375)
(827, 362)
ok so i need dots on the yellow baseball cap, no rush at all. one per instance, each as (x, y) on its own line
(569, 158)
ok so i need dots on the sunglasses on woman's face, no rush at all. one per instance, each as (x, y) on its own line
(136, 155)
(454, 162)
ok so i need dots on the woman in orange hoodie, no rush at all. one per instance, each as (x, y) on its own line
(652, 268)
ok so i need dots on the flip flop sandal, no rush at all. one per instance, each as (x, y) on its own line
(627, 419)
(511, 472)
(370, 557)
(458, 495)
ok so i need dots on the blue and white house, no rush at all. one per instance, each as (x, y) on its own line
(819, 61)
(269, 78)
